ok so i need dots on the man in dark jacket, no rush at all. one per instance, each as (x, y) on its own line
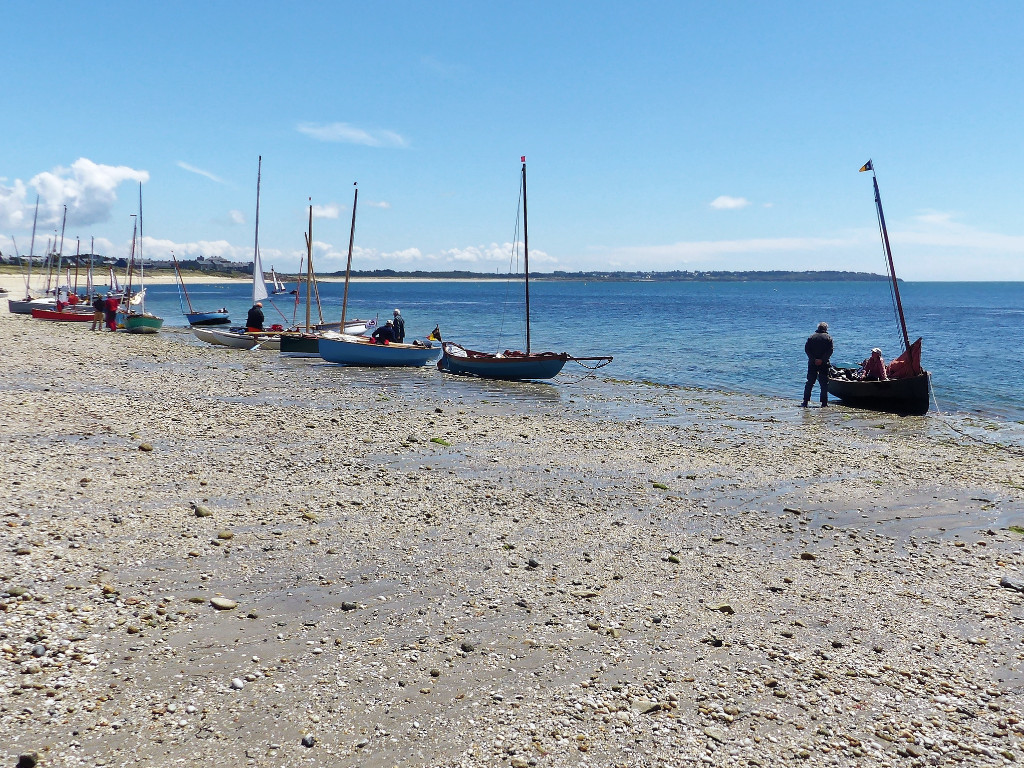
(385, 334)
(254, 320)
(819, 349)
(399, 325)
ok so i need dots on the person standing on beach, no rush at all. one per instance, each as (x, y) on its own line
(819, 349)
(254, 320)
(398, 324)
(110, 305)
(98, 315)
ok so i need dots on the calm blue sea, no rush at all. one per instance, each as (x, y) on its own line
(737, 337)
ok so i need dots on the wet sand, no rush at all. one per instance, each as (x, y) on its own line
(425, 570)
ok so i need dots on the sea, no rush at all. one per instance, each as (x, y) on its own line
(736, 337)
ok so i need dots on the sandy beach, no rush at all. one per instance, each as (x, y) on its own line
(213, 555)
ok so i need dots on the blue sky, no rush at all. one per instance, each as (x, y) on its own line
(660, 135)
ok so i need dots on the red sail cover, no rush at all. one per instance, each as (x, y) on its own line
(907, 365)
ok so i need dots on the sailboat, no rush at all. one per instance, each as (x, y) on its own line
(26, 305)
(140, 321)
(908, 386)
(240, 337)
(305, 342)
(279, 288)
(213, 317)
(511, 365)
(347, 349)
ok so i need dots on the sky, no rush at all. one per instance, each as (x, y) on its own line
(658, 135)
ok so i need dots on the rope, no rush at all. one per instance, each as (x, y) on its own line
(593, 370)
(1011, 449)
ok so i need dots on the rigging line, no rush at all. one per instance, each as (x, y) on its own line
(513, 262)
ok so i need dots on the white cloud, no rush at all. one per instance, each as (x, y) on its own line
(88, 189)
(727, 203)
(350, 134)
(236, 217)
(381, 204)
(200, 172)
(328, 211)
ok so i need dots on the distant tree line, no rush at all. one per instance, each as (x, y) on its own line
(637, 276)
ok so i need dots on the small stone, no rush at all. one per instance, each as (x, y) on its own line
(467, 647)
(145, 447)
(645, 706)
(1010, 583)
(308, 740)
(715, 733)
(28, 760)
(237, 684)
(807, 556)
(202, 511)
(225, 535)
(349, 606)
(723, 607)
(223, 603)
(39, 650)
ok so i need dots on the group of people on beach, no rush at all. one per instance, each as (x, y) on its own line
(392, 332)
(104, 312)
(819, 348)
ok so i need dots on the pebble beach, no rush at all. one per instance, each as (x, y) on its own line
(219, 556)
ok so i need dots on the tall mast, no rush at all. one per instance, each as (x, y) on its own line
(60, 251)
(142, 266)
(309, 265)
(348, 266)
(31, 247)
(78, 256)
(259, 287)
(888, 255)
(526, 258)
(182, 281)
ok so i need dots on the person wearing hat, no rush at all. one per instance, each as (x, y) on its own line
(384, 335)
(254, 320)
(873, 369)
(819, 349)
(98, 314)
(399, 325)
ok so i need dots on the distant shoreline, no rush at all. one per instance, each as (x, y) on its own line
(12, 278)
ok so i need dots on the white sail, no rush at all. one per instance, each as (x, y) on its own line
(259, 287)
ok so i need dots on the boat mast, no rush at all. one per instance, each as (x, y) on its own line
(60, 252)
(181, 280)
(888, 254)
(348, 266)
(31, 249)
(142, 266)
(309, 265)
(259, 287)
(526, 258)
(78, 255)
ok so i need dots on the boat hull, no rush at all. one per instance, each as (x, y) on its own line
(143, 323)
(207, 318)
(467, 362)
(358, 351)
(904, 396)
(300, 345)
(237, 339)
(64, 316)
(25, 306)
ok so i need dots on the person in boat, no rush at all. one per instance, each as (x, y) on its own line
(98, 314)
(873, 369)
(819, 349)
(254, 320)
(385, 334)
(399, 326)
(62, 298)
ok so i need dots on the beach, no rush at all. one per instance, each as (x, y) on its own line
(218, 555)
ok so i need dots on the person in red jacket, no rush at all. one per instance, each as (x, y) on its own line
(110, 305)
